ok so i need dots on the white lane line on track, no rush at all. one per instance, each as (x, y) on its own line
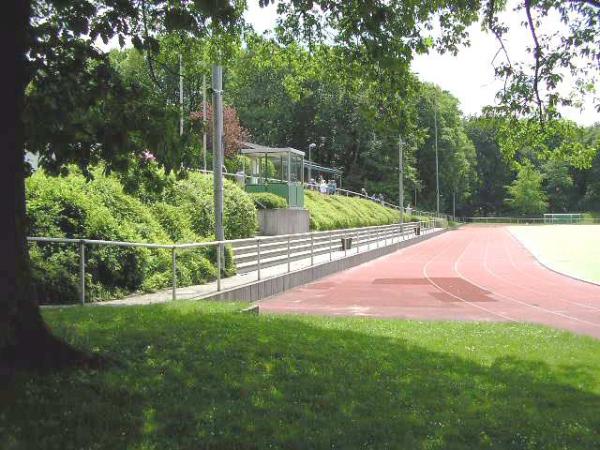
(474, 305)
(514, 300)
(512, 262)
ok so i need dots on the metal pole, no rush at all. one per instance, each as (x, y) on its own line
(454, 206)
(437, 172)
(288, 254)
(217, 84)
(400, 181)
(310, 147)
(204, 121)
(218, 267)
(312, 245)
(180, 95)
(258, 258)
(174, 274)
(330, 236)
(82, 272)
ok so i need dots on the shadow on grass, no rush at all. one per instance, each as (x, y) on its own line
(222, 380)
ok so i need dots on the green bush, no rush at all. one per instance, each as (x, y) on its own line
(330, 212)
(267, 200)
(194, 196)
(73, 207)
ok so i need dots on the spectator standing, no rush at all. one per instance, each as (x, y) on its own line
(323, 187)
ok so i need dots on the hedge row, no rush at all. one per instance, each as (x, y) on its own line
(74, 207)
(267, 200)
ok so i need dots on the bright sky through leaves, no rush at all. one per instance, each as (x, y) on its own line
(470, 75)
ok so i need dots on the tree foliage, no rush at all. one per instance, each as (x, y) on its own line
(526, 196)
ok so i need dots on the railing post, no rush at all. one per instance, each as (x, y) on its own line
(174, 274)
(82, 271)
(258, 257)
(312, 246)
(288, 254)
(330, 236)
(218, 267)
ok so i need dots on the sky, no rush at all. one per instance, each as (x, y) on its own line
(469, 76)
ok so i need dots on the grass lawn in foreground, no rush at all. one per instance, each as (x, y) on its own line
(570, 249)
(203, 375)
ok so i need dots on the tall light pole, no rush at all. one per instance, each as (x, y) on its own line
(311, 147)
(437, 167)
(180, 95)
(454, 205)
(217, 88)
(204, 121)
(400, 180)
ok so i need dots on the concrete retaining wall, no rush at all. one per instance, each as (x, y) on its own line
(275, 222)
(273, 286)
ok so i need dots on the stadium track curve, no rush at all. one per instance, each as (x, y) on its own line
(475, 273)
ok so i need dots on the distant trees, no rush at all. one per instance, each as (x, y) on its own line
(493, 169)
(526, 196)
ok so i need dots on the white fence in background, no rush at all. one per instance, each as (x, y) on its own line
(528, 220)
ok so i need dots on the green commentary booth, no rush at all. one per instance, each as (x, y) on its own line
(279, 171)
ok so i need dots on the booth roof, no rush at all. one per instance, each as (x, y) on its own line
(320, 168)
(258, 149)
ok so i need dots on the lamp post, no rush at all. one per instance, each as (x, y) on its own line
(400, 180)
(437, 171)
(311, 147)
(217, 88)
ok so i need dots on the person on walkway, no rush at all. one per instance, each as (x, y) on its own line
(323, 187)
(330, 190)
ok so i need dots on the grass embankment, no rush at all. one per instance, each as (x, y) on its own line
(330, 212)
(202, 375)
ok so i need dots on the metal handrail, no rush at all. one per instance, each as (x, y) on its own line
(363, 235)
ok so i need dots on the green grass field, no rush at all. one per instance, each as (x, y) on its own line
(570, 249)
(203, 375)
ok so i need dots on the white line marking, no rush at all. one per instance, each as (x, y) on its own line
(514, 300)
(425, 273)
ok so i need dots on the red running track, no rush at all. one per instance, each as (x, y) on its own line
(474, 273)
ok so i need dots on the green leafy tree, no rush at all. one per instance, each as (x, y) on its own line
(456, 153)
(493, 170)
(526, 195)
(52, 49)
(559, 187)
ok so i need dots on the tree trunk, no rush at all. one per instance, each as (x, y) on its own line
(25, 341)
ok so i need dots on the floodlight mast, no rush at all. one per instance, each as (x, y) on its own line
(217, 88)
(437, 166)
(311, 147)
(400, 180)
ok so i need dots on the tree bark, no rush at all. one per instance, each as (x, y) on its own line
(25, 341)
